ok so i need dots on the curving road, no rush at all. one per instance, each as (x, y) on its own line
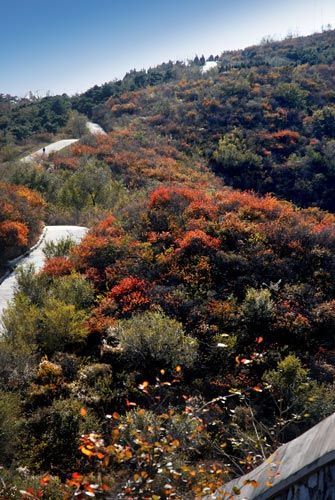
(51, 148)
(93, 129)
(52, 233)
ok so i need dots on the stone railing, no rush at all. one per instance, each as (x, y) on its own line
(12, 264)
(303, 469)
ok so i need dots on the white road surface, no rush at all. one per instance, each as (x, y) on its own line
(93, 128)
(52, 233)
(208, 66)
(51, 148)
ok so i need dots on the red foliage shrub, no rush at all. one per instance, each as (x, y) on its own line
(58, 266)
(131, 294)
(13, 234)
(171, 194)
(197, 239)
(286, 135)
(21, 213)
(100, 247)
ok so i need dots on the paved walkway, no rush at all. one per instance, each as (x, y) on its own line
(93, 128)
(52, 233)
(51, 148)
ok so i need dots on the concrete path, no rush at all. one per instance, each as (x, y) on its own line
(51, 148)
(93, 128)
(52, 233)
(208, 66)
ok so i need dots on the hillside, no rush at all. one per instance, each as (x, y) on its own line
(263, 120)
(261, 123)
(191, 332)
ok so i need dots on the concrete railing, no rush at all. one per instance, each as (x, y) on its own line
(303, 469)
(13, 263)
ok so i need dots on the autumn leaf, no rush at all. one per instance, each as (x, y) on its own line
(143, 387)
(257, 388)
(245, 361)
(83, 412)
(251, 482)
(86, 452)
(115, 433)
(45, 480)
(76, 475)
(128, 454)
(130, 403)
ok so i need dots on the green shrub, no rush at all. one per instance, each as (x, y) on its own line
(61, 248)
(60, 326)
(299, 401)
(15, 480)
(10, 424)
(9, 152)
(32, 284)
(291, 95)
(94, 384)
(181, 426)
(154, 339)
(76, 124)
(257, 309)
(20, 323)
(323, 122)
(74, 289)
(54, 435)
(288, 380)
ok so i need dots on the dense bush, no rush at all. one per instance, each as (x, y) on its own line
(10, 426)
(152, 339)
(21, 214)
(23, 117)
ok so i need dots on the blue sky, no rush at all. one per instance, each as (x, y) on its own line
(70, 45)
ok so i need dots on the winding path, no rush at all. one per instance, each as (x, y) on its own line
(93, 128)
(52, 233)
(51, 148)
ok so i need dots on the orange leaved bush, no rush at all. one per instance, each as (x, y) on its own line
(13, 234)
(21, 215)
(58, 266)
(189, 243)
